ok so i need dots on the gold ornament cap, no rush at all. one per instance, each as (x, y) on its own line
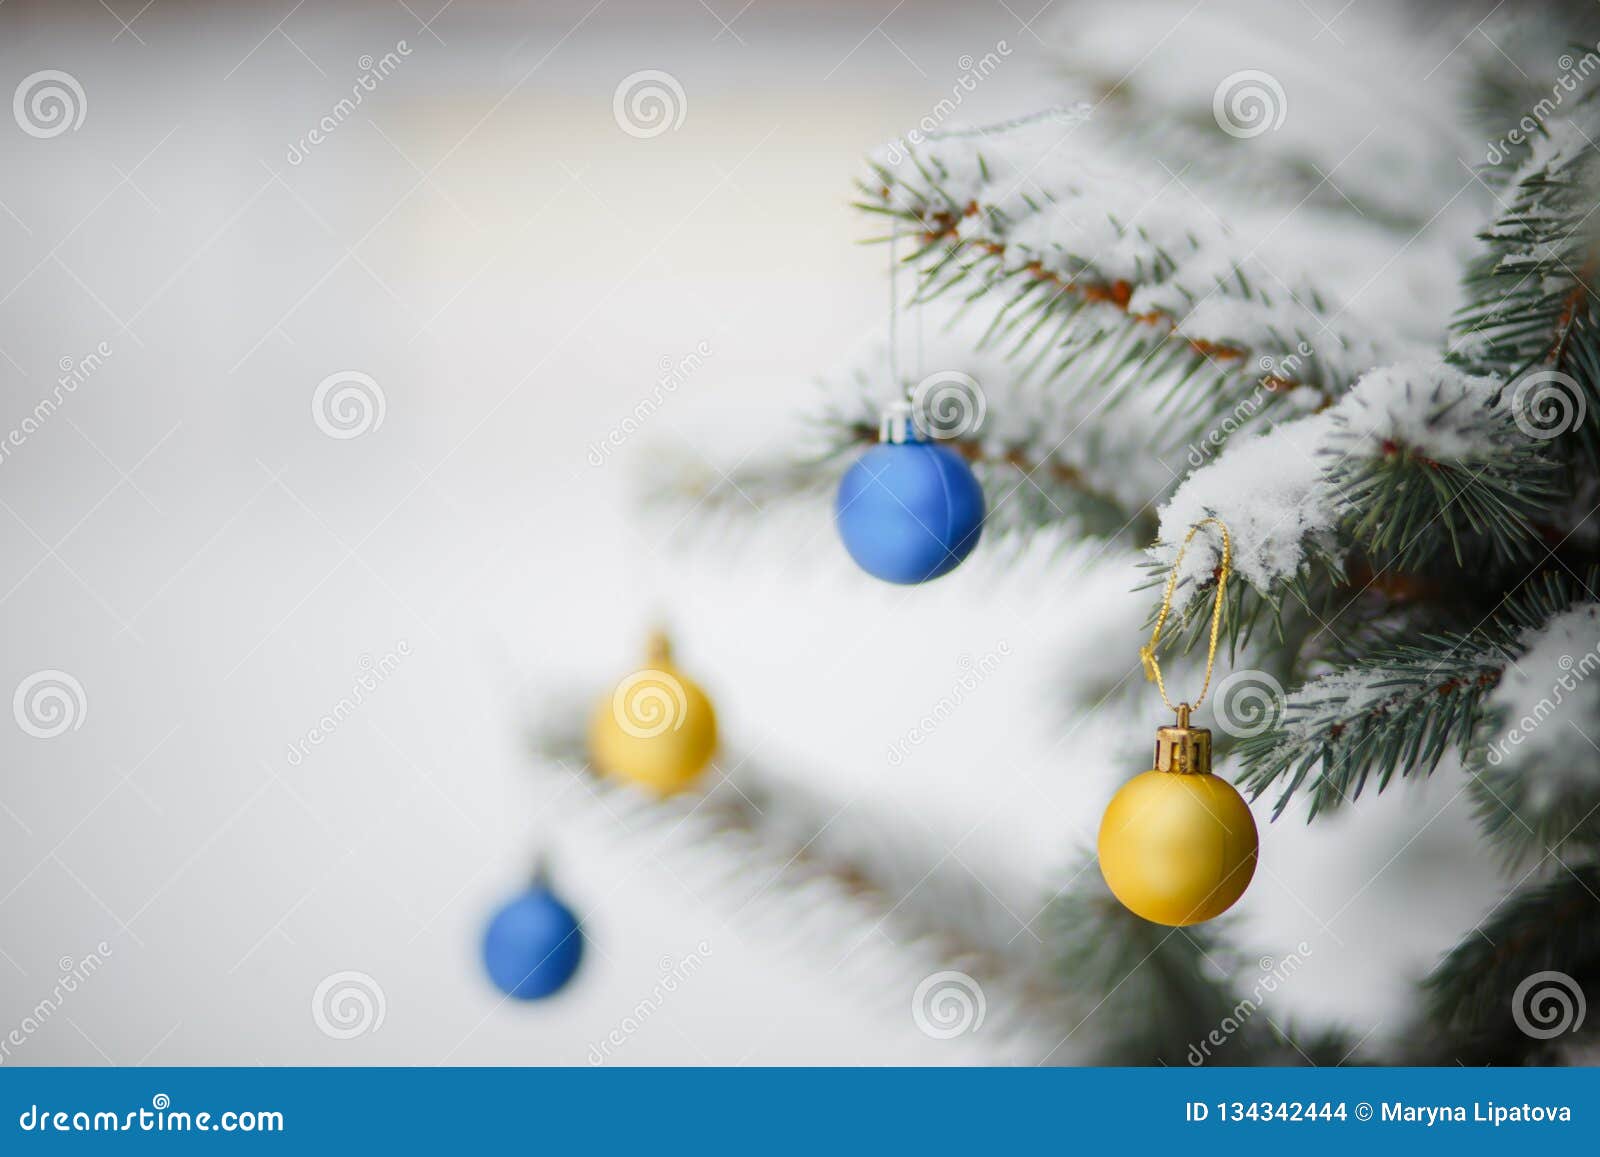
(1183, 750)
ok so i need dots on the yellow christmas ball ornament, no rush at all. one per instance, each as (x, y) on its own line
(656, 728)
(1178, 844)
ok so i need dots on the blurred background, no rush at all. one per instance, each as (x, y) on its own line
(213, 554)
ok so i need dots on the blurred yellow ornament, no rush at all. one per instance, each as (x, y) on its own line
(1177, 844)
(656, 729)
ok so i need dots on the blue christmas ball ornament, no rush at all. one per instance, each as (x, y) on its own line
(533, 945)
(910, 510)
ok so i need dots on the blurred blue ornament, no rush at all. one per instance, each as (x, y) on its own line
(533, 945)
(909, 510)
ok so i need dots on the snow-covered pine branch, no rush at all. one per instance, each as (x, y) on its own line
(1530, 291)
(1123, 280)
(1418, 460)
(1046, 456)
(1401, 707)
(1303, 137)
(1423, 461)
(1532, 65)
(1535, 774)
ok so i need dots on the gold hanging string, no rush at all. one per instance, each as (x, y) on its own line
(1147, 653)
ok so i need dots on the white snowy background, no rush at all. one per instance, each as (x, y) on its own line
(512, 269)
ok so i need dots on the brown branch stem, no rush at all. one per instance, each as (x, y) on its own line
(944, 227)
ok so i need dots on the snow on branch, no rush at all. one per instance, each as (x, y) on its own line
(1403, 706)
(1423, 458)
(1245, 104)
(1400, 710)
(1532, 70)
(1417, 457)
(1536, 776)
(1093, 259)
(1533, 282)
(1045, 456)
(1269, 490)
